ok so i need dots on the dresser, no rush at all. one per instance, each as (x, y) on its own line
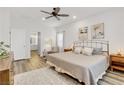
(117, 62)
(5, 69)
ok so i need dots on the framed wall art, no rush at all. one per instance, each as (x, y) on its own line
(83, 33)
(97, 31)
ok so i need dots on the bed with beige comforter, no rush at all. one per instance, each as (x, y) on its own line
(87, 69)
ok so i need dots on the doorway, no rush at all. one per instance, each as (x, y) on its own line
(35, 43)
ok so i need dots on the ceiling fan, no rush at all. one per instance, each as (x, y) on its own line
(55, 13)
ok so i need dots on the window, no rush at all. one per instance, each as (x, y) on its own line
(60, 40)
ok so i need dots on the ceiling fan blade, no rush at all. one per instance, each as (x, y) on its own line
(46, 12)
(57, 18)
(48, 17)
(63, 15)
(56, 10)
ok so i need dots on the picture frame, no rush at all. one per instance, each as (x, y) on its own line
(97, 31)
(83, 33)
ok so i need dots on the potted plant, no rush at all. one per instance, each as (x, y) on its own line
(3, 50)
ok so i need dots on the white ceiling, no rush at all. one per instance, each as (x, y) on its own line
(34, 14)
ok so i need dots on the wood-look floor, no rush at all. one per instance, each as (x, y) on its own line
(35, 62)
(22, 66)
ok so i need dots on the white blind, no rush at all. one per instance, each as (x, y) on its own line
(60, 39)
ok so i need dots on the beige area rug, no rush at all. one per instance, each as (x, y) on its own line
(44, 76)
(48, 76)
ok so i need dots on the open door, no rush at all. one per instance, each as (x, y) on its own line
(18, 44)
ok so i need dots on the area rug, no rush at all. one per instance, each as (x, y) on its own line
(112, 78)
(48, 76)
(44, 76)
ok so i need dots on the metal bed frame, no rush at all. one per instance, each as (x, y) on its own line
(93, 44)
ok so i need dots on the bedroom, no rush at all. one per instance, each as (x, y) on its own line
(18, 22)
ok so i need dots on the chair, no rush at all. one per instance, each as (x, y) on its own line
(50, 51)
(53, 50)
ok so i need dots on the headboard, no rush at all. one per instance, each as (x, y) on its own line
(93, 44)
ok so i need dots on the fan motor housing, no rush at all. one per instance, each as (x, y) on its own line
(54, 14)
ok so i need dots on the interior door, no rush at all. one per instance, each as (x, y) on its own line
(18, 43)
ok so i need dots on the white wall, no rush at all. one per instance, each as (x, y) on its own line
(113, 26)
(4, 25)
(8, 22)
(113, 21)
(34, 26)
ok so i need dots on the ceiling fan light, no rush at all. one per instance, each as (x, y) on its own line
(43, 19)
(74, 17)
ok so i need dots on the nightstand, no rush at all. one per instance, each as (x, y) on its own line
(117, 62)
(67, 49)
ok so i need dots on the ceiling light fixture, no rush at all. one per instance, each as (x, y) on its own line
(43, 19)
(55, 13)
(74, 17)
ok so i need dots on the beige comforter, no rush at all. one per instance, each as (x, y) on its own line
(87, 69)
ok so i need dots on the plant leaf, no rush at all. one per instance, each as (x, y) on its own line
(1, 42)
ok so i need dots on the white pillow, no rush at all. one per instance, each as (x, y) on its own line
(87, 51)
(78, 50)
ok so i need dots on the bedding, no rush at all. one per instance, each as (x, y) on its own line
(87, 51)
(78, 50)
(87, 69)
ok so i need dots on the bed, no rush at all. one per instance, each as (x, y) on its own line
(87, 69)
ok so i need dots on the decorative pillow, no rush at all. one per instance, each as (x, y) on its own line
(87, 51)
(78, 50)
(97, 51)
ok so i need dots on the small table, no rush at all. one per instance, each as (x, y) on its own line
(117, 62)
